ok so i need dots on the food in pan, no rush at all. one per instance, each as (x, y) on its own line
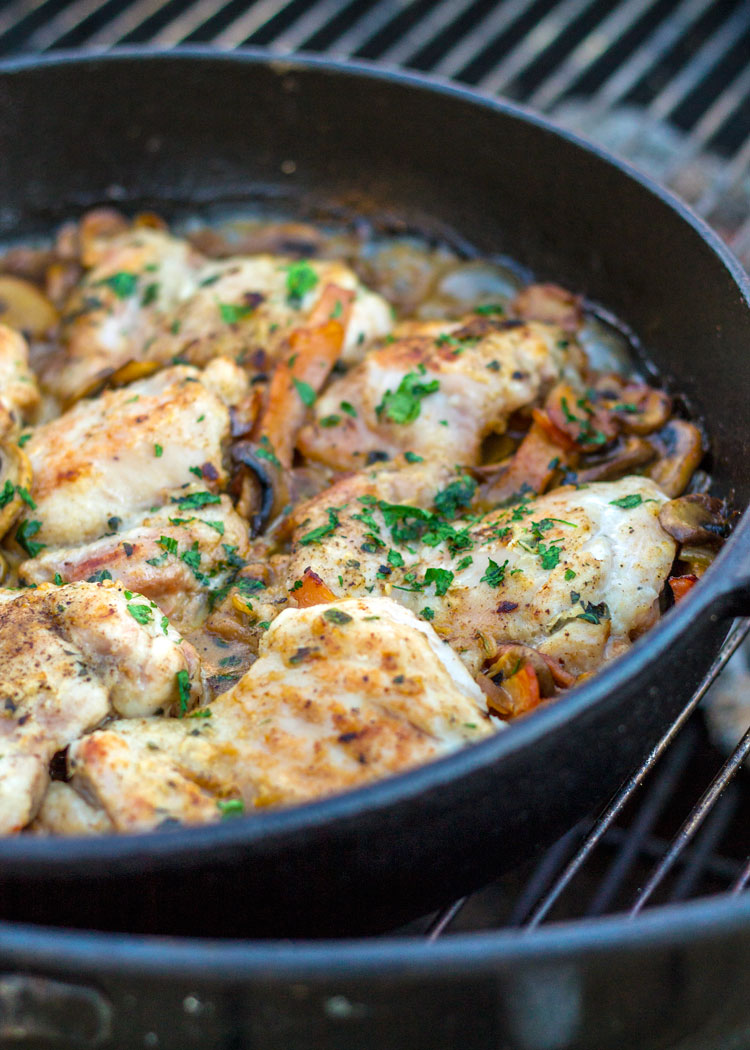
(286, 511)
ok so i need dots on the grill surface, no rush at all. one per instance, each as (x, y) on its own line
(664, 83)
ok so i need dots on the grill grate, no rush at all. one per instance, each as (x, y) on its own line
(664, 83)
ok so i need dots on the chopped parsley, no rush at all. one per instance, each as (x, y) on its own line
(494, 574)
(549, 556)
(164, 624)
(305, 391)
(265, 451)
(586, 434)
(427, 613)
(395, 559)
(150, 292)
(465, 562)
(330, 421)
(404, 405)
(58, 579)
(337, 616)
(7, 494)
(230, 807)
(183, 689)
(158, 451)
(231, 313)
(141, 613)
(569, 574)
(442, 578)
(122, 284)
(300, 279)
(412, 457)
(24, 532)
(455, 496)
(196, 500)
(349, 408)
(316, 535)
(593, 613)
(627, 502)
(23, 439)
(489, 308)
(100, 576)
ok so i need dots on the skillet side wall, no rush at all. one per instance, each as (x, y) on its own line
(183, 130)
(193, 131)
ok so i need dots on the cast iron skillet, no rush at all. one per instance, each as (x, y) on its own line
(186, 130)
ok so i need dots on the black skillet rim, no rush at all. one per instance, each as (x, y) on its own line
(716, 597)
(83, 953)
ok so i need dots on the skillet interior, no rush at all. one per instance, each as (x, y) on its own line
(187, 130)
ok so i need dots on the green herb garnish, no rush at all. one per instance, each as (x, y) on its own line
(300, 279)
(232, 313)
(122, 284)
(404, 405)
(305, 391)
(442, 578)
(627, 502)
(141, 613)
(494, 574)
(183, 688)
(24, 532)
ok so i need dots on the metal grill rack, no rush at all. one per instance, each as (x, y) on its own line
(666, 83)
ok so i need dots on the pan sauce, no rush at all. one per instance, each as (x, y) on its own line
(278, 515)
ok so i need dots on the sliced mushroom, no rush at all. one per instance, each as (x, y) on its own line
(550, 303)
(588, 424)
(112, 378)
(626, 456)
(24, 307)
(60, 279)
(15, 478)
(255, 484)
(642, 409)
(695, 518)
(149, 220)
(97, 226)
(680, 448)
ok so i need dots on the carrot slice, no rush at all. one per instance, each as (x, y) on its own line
(314, 350)
(313, 591)
(681, 585)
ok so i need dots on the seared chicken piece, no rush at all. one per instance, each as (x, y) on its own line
(64, 812)
(438, 395)
(19, 395)
(576, 573)
(340, 695)
(180, 559)
(109, 460)
(69, 658)
(150, 296)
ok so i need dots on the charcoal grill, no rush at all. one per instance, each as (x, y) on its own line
(666, 83)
